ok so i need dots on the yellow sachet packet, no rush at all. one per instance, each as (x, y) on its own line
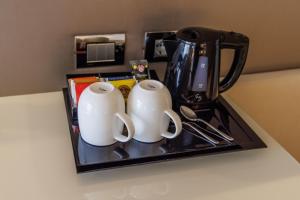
(124, 86)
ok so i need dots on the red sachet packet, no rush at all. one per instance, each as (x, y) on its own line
(77, 85)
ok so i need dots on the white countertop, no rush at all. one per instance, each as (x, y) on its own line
(37, 163)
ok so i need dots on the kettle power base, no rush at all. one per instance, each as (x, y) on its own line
(221, 115)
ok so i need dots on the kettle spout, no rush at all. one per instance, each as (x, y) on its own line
(170, 46)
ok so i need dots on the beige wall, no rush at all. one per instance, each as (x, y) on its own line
(272, 100)
(36, 35)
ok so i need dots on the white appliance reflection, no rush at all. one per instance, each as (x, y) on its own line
(148, 191)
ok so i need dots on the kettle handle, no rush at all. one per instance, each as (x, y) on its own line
(240, 44)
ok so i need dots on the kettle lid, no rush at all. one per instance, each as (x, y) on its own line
(198, 34)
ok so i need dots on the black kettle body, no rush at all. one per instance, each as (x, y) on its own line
(193, 70)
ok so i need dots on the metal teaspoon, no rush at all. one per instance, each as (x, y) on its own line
(207, 138)
(191, 115)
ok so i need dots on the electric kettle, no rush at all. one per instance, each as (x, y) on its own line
(193, 70)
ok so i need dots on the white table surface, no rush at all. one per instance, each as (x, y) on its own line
(37, 163)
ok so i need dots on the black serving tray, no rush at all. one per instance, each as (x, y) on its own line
(187, 144)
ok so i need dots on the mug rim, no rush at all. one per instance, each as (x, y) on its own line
(101, 88)
(157, 85)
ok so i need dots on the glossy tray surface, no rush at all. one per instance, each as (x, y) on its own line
(221, 115)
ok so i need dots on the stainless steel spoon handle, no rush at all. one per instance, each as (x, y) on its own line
(210, 139)
(224, 135)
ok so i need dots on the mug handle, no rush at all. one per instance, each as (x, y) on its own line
(178, 125)
(129, 125)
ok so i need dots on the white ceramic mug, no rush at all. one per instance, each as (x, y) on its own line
(149, 106)
(101, 115)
